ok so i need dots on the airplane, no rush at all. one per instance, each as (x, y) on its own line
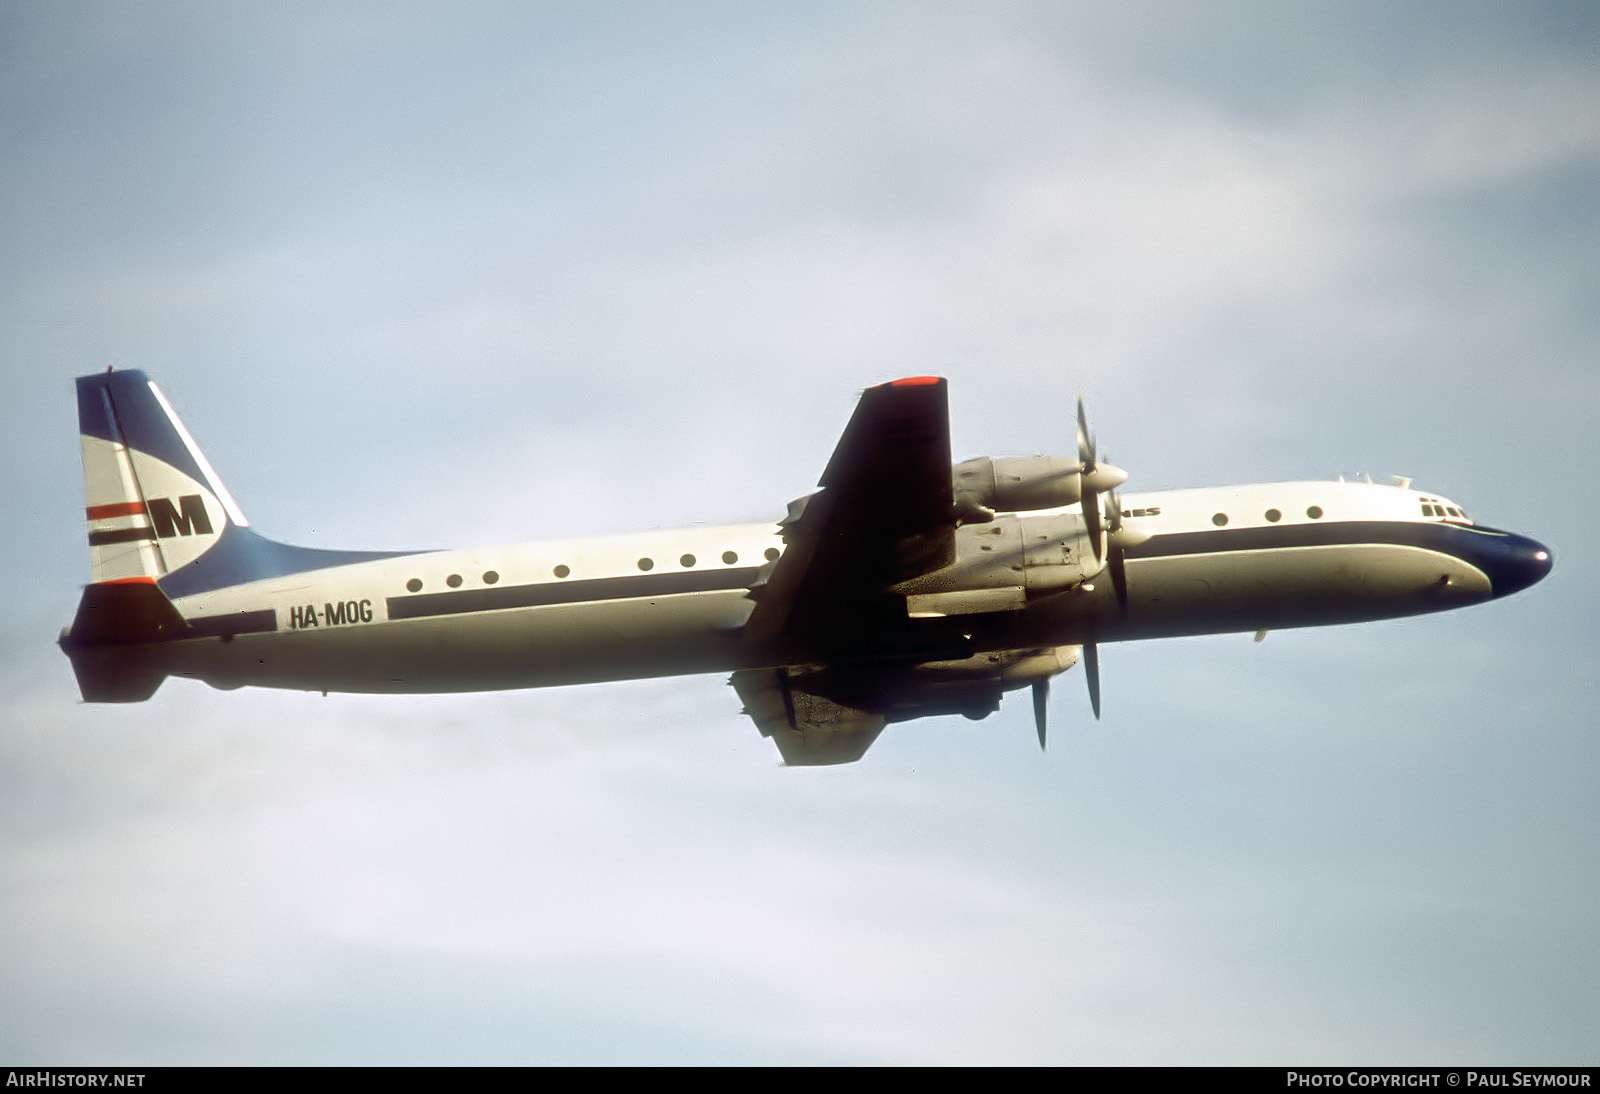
(904, 587)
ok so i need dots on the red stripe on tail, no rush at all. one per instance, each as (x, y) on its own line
(116, 509)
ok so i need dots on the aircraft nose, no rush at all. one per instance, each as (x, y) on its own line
(1517, 562)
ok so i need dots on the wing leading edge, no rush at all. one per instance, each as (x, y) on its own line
(884, 515)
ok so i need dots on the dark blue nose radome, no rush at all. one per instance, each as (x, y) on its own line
(1512, 562)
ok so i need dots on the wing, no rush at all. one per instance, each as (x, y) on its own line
(884, 515)
(809, 730)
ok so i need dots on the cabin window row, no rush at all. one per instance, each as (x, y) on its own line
(1273, 515)
(562, 570)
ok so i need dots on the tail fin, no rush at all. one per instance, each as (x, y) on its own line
(157, 509)
(155, 504)
(161, 527)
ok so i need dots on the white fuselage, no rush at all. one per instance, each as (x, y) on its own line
(672, 602)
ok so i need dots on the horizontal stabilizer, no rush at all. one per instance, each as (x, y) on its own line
(120, 613)
(107, 674)
(110, 640)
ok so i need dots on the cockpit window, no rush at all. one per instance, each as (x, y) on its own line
(1437, 510)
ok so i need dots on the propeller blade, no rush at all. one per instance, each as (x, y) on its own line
(1088, 494)
(1091, 669)
(1119, 578)
(1119, 569)
(1041, 701)
(1092, 521)
(1085, 442)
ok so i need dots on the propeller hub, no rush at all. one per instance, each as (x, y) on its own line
(1104, 477)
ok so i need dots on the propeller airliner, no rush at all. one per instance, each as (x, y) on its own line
(904, 587)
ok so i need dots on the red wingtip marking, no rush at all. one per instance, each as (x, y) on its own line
(128, 581)
(116, 509)
(914, 381)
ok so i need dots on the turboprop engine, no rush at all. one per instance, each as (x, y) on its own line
(1002, 564)
(1019, 484)
(1003, 561)
(971, 686)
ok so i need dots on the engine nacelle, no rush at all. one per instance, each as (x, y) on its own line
(1026, 667)
(1010, 669)
(1000, 565)
(1017, 483)
(970, 687)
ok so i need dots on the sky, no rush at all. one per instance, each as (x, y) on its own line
(429, 275)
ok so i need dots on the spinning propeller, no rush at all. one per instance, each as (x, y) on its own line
(1108, 540)
(1097, 478)
(1041, 706)
(1116, 542)
(1100, 479)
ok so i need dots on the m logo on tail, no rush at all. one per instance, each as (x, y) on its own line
(155, 506)
(186, 519)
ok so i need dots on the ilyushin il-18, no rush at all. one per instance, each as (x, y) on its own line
(904, 587)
